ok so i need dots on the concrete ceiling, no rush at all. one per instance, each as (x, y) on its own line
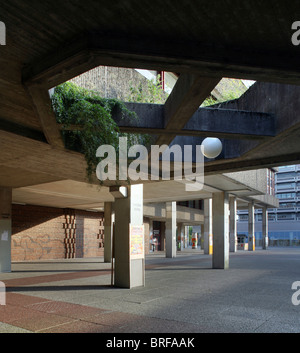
(49, 42)
(79, 195)
(64, 194)
(230, 37)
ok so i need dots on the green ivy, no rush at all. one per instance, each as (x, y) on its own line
(92, 114)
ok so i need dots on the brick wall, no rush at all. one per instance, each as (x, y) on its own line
(89, 234)
(54, 233)
(37, 233)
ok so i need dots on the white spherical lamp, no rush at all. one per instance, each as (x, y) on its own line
(211, 147)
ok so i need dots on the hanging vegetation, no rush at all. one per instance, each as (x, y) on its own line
(87, 123)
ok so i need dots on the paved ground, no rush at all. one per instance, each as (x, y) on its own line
(182, 295)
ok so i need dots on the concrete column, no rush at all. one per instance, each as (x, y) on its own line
(208, 231)
(186, 236)
(5, 229)
(180, 236)
(265, 229)
(151, 235)
(202, 236)
(129, 239)
(232, 224)
(170, 233)
(109, 218)
(251, 226)
(220, 214)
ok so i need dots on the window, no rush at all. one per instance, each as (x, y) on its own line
(271, 217)
(288, 195)
(198, 204)
(285, 186)
(258, 217)
(285, 216)
(287, 204)
(287, 175)
(243, 217)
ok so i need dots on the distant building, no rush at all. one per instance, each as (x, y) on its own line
(284, 222)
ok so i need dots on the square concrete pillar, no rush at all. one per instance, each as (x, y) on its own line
(251, 226)
(170, 232)
(5, 229)
(220, 214)
(265, 229)
(186, 236)
(129, 239)
(109, 218)
(180, 236)
(232, 224)
(208, 231)
(202, 236)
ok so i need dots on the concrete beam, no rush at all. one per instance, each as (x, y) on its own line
(188, 94)
(118, 192)
(42, 104)
(213, 122)
(94, 49)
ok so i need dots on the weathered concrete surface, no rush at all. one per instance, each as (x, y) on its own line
(256, 179)
(282, 101)
(214, 122)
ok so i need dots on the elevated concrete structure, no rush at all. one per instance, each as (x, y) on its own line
(40, 63)
(259, 130)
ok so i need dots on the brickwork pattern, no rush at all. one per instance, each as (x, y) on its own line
(89, 233)
(70, 234)
(37, 233)
(53, 233)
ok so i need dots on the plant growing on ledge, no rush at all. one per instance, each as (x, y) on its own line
(86, 121)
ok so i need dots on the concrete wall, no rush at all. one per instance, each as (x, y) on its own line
(111, 82)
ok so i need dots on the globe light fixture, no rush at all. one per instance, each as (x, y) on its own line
(211, 147)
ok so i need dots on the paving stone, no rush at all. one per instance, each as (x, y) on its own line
(181, 295)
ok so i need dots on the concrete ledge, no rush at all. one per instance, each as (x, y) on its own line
(226, 123)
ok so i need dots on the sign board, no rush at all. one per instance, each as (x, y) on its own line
(137, 241)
